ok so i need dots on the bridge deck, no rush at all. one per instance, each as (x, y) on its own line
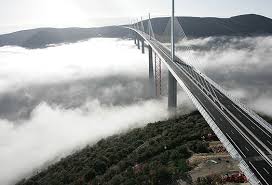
(251, 140)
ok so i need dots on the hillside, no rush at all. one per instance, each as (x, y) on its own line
(42, 37)
(161, 153)
(155, 154)
(243, 25)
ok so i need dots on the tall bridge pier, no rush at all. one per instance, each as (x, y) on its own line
(135, 39)
(151, 72)
(172, 92)
(143, 48)
(172, 83)
(138, 42)
(153, 83)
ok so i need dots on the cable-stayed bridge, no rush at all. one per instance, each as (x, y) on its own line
(246, 136)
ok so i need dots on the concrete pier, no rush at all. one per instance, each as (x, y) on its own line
(143, 48)
(151, 73)
(172, 92)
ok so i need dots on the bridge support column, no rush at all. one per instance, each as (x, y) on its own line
(151, 73)
(157, 76)
(143, 49)
(138, 42)
(135, 40)
(172, 92)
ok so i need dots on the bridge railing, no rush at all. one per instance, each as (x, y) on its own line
(256, 117)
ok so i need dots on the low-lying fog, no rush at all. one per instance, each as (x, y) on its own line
(56, 100)
(243, 66)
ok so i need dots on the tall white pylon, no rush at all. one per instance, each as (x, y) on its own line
(172, 31)
(149, 26)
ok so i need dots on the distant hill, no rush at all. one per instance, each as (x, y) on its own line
(243, 25)
(42, 37)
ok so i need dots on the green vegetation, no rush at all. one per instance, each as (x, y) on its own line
(155, 154)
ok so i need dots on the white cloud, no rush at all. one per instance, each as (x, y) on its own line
(59, 77)
(94, 58)
(55, 132)
(60, 74)
(75, 94)
(263, 104)
(243, 66)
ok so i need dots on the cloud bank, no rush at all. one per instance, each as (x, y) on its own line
(56, 100)
(243, 66)
(55, 132)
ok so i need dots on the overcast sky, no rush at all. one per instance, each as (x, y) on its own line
(15, 14)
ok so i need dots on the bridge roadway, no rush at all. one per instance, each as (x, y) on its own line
(252, 140)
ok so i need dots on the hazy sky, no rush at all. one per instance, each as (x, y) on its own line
(63, 13)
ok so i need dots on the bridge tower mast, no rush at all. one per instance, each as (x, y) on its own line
(172, 83)
(149, 26)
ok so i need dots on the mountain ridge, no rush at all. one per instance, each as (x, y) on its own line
(194, 27)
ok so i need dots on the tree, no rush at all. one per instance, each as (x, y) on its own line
(130, 182)
(100, 166)
(163, 176)
(89, 175)
(174, 155)
(116, 180)
(182, 166)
